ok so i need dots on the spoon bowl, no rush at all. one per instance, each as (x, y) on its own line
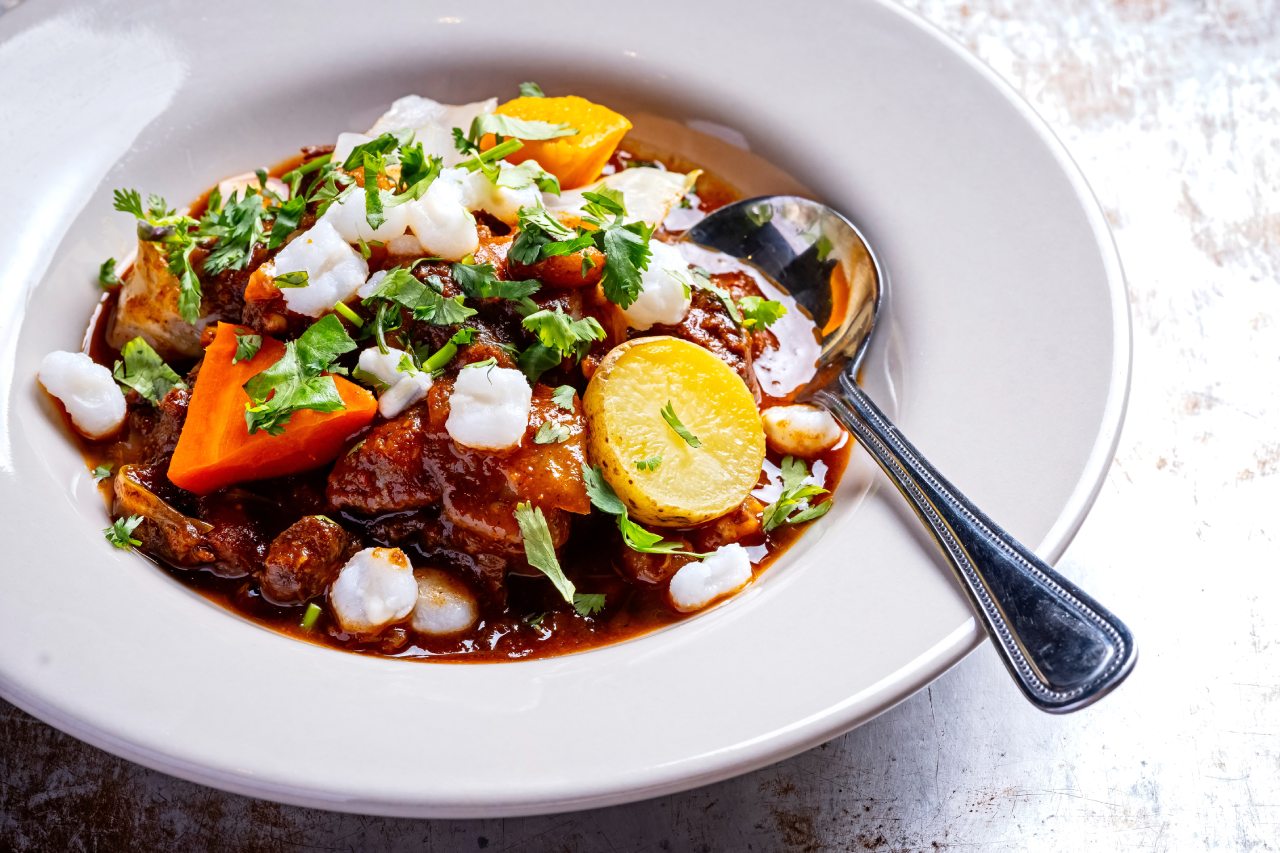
(1063, 649)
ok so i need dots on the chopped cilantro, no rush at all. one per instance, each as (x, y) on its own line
(530, 89)
(120, 533)
(343, 310)
(518, 128)
(605, 499)
(297, 278)
(760, 313)
(556, 330)
(247, 346)
(480, 282)
(144, 371)
(704, 282)
(793, 506)
(310, 617)
(588, 603)
(298, 381)
(550, 432)
(540, 550)
(488, 362)
(537, 360)
(528, 174)
(102, 472)
(441, 357)
(669, 415)
(425, 301)
(107, 274)
(157, 223)
(563, 397)
(237, 226)
(651, 464)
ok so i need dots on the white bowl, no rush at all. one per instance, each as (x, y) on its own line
(1006, 336)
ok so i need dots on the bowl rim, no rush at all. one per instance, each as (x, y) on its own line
(808, 733)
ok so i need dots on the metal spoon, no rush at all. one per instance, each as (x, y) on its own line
(1064, 649)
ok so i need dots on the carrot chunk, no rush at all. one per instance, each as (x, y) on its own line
(215, 448)
(576, 160)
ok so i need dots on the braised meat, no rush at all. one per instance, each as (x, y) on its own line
(304, 559)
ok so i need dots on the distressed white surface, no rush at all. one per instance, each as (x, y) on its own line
(1172, 110)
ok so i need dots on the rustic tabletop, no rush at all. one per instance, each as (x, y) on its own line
(1172, 109)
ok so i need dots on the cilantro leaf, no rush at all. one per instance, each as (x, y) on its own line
(537, 360)
(480, 282)
(543, 236)
(531, 90)
(563, 397)
(518, 128)
(528, 174)
(237, 226)
(107, 274)
(102, 472)
(588, 603)
(158, 223)
(793, 506)
(651, 464)
(247, 347)
(425, 301)
(550, 432)
(378, 147)
(540, 550)
(120, 533)
(441, 357)
(297, 278)
(288, 217)
(760, 313)
(296, 381)
(374, 165)
(704, 282)
(668, 413)
(635, 537)
(144, 371)
(556, 330)
(626, 255)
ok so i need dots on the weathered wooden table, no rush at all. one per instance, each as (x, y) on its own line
(1172, 109)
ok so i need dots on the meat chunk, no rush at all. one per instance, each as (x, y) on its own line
(148, 307)
(165, 532)
(236, 537)
(156, 428)
(305, 559)
(411, 463)
(389, 470)
(743, 525)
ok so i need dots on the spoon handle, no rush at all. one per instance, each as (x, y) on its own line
(1062, 647)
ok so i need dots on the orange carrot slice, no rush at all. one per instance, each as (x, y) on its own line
(215, 448)
(576, 160)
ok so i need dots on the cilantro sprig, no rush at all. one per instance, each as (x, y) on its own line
(605, 499)
(625, 245)
(298, 380)
(142, 369)
(540, 549)
(794, 505)
(760, 313)
(120, 533)
(160, 224)
(559, 337)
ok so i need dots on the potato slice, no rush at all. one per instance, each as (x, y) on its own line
(624, 403)
(576, 160)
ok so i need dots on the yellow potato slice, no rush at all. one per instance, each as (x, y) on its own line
(624, 403)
